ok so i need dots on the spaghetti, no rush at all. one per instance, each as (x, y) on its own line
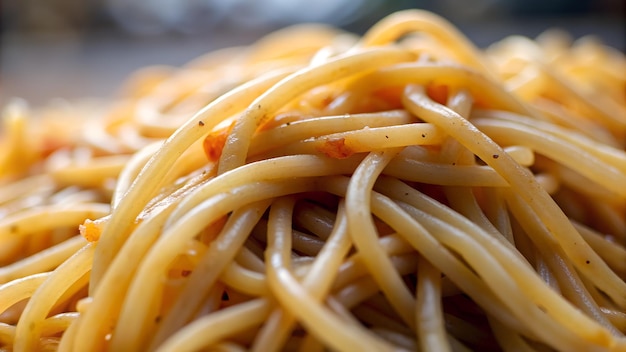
(317, 190)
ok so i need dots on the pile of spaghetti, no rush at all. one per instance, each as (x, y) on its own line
(322, 191)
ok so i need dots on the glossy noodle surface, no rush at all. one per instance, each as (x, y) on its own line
(318, 191)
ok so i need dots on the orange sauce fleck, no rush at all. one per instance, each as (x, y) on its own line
(438, 93)
(91, 230)
(214, 143)
(326, 101)
(336, 148)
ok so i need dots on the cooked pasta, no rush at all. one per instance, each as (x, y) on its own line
(317, 190)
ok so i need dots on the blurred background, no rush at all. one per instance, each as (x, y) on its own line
(74, 48)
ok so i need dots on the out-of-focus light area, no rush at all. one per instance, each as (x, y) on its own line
(74, 48)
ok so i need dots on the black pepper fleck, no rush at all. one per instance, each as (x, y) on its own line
(200, 123)
(495, 156)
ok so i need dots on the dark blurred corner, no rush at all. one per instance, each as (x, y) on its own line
(72, 48)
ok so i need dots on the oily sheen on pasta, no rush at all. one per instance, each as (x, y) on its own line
(318, 191)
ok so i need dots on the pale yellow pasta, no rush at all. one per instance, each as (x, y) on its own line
(319, 191)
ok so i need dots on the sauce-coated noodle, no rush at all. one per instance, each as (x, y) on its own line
(317, 190)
